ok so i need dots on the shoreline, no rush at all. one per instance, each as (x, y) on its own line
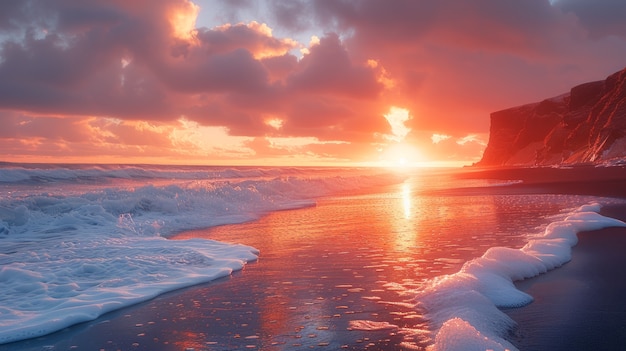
(578, 180)
(578, 305)
(320, 300)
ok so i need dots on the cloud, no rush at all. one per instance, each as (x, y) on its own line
(437, 138)
(601, 17)
(107, 138)
(255, 37)
(397, 117)
(444, 148)
(289, 14)
(328, 69)
(472, 138)
(491, 24)
(20, 126)
(454, 62)
(114, 68)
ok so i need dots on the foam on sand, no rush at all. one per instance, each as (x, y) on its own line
(42, 294)
(463, 308)
(76, 243)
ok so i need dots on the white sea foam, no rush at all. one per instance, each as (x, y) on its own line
(70, 252)
(463, 308)
(70, 282)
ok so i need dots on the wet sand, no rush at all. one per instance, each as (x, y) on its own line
(581, 305)
(320, 277)
(322, 268)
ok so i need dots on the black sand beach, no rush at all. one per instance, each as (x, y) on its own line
(581, 305)
(580, 180)
(320, 277)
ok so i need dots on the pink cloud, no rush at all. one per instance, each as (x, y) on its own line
(66, 67)
(329, 70)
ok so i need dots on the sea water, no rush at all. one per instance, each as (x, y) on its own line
(80, 241)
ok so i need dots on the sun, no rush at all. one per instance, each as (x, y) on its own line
(401, 155)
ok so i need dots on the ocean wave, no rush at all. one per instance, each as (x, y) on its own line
(46, 174)
(68, 255)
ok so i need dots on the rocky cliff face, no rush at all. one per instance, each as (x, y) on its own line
(586, 125)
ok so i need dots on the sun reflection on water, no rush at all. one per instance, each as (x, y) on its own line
(406, 200)
(403, 221)
(189, 340)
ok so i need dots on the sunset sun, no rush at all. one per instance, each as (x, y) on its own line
(391, 174)
(401, 155)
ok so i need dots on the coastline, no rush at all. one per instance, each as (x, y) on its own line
(578, 305)
(575, 180)
(321, 301)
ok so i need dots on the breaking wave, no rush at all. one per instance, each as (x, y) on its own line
(80, 241)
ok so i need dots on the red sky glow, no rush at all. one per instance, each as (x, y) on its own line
(286, 82)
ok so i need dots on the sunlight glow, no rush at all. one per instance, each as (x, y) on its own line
(261, 28)
(275, 123)
(471, 138)
(406, 200)
(208, 140)
(401, 156)
(292, 143)
(437, 138)
(183, 20)
(405, 222)
(396, 118)
(315, 40)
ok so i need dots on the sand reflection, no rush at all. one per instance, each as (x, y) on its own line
(189, 340)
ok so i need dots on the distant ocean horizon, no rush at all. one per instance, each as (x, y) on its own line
(79, 241)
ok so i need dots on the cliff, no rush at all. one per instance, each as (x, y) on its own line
(586, 125)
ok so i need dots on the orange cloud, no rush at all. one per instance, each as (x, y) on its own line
(182, 19)
(255, 37)
(146, 79)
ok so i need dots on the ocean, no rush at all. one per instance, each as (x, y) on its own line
(108, 257)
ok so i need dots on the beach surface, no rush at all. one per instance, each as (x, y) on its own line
(339, 275)
(579, 306)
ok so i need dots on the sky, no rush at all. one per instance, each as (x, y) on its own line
(286, 82)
